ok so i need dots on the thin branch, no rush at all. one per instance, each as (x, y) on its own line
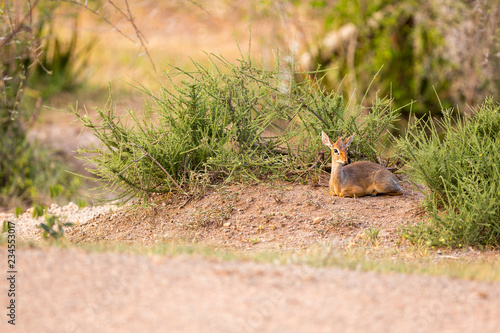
(133, 162)
(199, 6)
(96, 12)
(139, 34)
(321, 158)
(161, 167)
(138, 173)
(20, 26)
(128, 17)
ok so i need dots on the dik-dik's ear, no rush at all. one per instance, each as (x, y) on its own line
(326, 140)
(348, 141)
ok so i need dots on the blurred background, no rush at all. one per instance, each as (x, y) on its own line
(426, 55)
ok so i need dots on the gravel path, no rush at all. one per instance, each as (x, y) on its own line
(72, 290)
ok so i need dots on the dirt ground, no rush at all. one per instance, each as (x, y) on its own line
(251, 217)
(67, 289)
(71, 290)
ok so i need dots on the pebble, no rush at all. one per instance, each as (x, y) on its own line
(317, 220)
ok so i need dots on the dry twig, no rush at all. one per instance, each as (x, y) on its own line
(128, 17)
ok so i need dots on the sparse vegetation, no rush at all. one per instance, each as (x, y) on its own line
(415, 259)
(26, 169)
(35, 64)
(372, 235)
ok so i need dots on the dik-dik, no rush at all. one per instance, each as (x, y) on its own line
(359, 178)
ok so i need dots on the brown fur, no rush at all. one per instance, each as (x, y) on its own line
(359, 178)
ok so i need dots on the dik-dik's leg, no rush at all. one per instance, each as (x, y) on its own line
(333, 192)
(395, 193)
(355, 191)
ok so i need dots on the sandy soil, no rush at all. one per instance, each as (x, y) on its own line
(258, 217)
(69, 290)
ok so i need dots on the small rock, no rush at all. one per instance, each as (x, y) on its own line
(317, 220)
(227, 224)
(482, 294)
(72, 206)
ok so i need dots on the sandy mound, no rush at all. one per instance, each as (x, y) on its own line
(284, 216)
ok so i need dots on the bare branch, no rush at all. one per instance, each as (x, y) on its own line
(19, 26)
(95, 12)
(141, 37)
(126, 15)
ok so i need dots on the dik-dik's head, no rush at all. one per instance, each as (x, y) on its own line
(339, 148)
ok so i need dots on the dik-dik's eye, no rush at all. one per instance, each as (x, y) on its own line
(335, 151)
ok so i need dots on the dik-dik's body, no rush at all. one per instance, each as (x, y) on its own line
(359, 178)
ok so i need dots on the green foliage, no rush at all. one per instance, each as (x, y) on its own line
(55, 191)
(226, 121)
(6, 226)
(38, 211)
(29, 172)
(459, 164)
(53, 228)
(81, 203)
(372, 233)
(18, 211)
(418, 45)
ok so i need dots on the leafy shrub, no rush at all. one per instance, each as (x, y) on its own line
(459, 164)
(225, 121)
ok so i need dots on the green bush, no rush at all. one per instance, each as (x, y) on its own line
(458, 161)
(226, 121)
(418, 46)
